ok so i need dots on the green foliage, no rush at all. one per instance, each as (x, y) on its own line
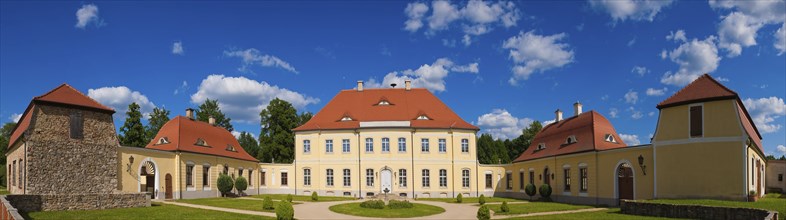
(133, 132)
(521, 143)
(241, 183)
(5, 137)
(284, 211)
(482, 199)
(267, 203)
(484, 213)
(783, 157)
(459, 198)
(225, 183)
(249, 143)
(373, 204)
(504, 207)
(396, 204)
(545, 191)
(770, 157)
(158, 118)
(210, 108)
(314, 196)
(530, 190)
(491, 151)
(276, 138)
(289, 197)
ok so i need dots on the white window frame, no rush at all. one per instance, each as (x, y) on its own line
(369, 145)
(347, 177)
(370, 177)
(307, 176)
(443, 178)
(465, 178)
(329, 146)
(443, 145)
(346, 146)
(329, 180)
(425, 181)
(424, 145)
(402, 178)
(385, 145)
(402, 145)
(306, 146)
(465, 145)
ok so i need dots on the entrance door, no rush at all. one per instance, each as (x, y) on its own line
(758, 178)
(386, 180)
(168, 185)
(625, 181)
(546, 177)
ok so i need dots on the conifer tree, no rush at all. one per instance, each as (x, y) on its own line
(210, 108)
(158, 118)
(132, 133)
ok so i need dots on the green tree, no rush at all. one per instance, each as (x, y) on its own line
(482, 199)
(485, 149)
(521, 143)
(770, 157)
(210, 108)
(225, 184)
(241, 184)
(483, 213)
(249, 143)
(304, 117)
(500, 152)
(158, 118)
(783, 157)
(276, 137)
(5, 137)
(132, 133)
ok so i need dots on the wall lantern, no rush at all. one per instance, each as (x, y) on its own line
(641, 164)
(552, 175)
(130, 161)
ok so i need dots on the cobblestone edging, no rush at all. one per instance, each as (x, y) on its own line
(32, 203)
(694, 211)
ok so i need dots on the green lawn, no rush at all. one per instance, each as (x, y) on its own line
(4, 191)
(772, 201)
(472, 199)
(232, 203)
(418, 210)
(599, 215)
(303, 198)
(156, 211)
(533, 207)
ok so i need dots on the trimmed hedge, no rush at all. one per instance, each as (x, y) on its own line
(530, 190)
(545, 191)
(484, 213)
(267, 203)
(225, 184)
(289, 197)
(396, 204)
(482, 199)
(373, 204)
(241, 184)
(504, 207)
(314, 196)
(285, 211)
(459, 198)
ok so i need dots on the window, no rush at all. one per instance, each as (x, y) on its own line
(369, 145)
(329, 176)
(13, 174)
(284, 179)
(306, 177)
(206, 175)
(443, 178)
(385, 144)
(345, 145)
(426, 181)
(610, 138)
(231, 148)
(262, 178)
(21, 173)
(423, 117)
(532, 177)
(162, 140)
(521, 180)
(402, 177)
(306, 146)
(465, 178)
(201, 142)
(583, 176)
(424, 145)
(402, 145)
(346, 118)
(383, 102)
(488, 181)
(442, 146)
(465, 145)
(240, 172)
(347, 179)
(696, 121)
(508, 181)
(571, 139)
(541, 146)
(250, 178)
(76, 125)
(780, 177)
(328, 146)
(566, 172)
(190, 175)
(369, 177)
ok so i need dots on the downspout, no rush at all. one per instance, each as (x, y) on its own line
(360, 176)
(179, 166)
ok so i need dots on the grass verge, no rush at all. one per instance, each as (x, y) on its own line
(418, 210)
(156, 211)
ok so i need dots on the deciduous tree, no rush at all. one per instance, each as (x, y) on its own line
(210, 108)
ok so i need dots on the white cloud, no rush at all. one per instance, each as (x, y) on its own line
(631, 97)
(634, 10)
(242, 99)
(694, 58)
(739, 28)
(475, 18)
(466, 40)
(614, 112)
(640, 70)
(415, 12)
(721, 79)
(651, 114)
(678, 36)
(536, 53)
(630, 139)
(119, 98)
(15, 117)
(237, 134)
(86, 15)
(764, 111)
(429, 76)
(604, 97)
(632, 42)
(780, 40)
(501, 124)
(177, 48)
(657, 92)
(781, 149)
(635, 114)
(183, 87)
(252, 56)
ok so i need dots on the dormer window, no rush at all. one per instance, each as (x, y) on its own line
(610, 138)
(423, 117)
(346, 118)
(571, 139)
(383, 102)
(541, 146)
(201, 142)
(162, 140)
(231, 148)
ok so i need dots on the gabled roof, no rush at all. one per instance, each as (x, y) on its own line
(589, 129)
(62, 95)
(405, 105)
(183, 134)
(705, 88)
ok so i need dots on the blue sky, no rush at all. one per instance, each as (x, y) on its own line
(498, 64)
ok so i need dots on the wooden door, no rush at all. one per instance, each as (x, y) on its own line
(758, 179)
(168, 187)
(625, 182)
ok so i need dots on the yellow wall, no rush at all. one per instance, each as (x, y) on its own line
(16, 154)
(720, 120)
(129, 180)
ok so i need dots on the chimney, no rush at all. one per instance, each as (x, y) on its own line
(408, 85)
(558, 113)
(577, 108)
(190, 113)
(360, 85)
(211, 120)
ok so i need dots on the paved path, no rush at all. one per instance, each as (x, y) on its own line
(547, 213)
(268, 214)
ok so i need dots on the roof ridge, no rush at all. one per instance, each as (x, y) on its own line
(51, 91)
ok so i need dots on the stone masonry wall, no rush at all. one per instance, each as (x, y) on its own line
(693, 211)
(33, 203)
(58, 164)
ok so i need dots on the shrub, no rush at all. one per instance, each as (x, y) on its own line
(483, 213)
(752, 193)
(314, 196)
(396, 204)
(530, 190)
(289, 197)
(504, 207)
(284, 211)
(482, 199)
(373, 204)
(459, 198)
(225, 184)
(241, 184)
(545, 191)
(267, 203)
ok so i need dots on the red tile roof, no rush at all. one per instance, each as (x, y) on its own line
(183, 134)
(362, 106)
(589, 128)
(63, 95)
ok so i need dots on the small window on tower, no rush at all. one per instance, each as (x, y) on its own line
(162, 140)
(383, 102)
(423, 117)
(346, 118)
(571, 139)
(541, 146)
(610, 138)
